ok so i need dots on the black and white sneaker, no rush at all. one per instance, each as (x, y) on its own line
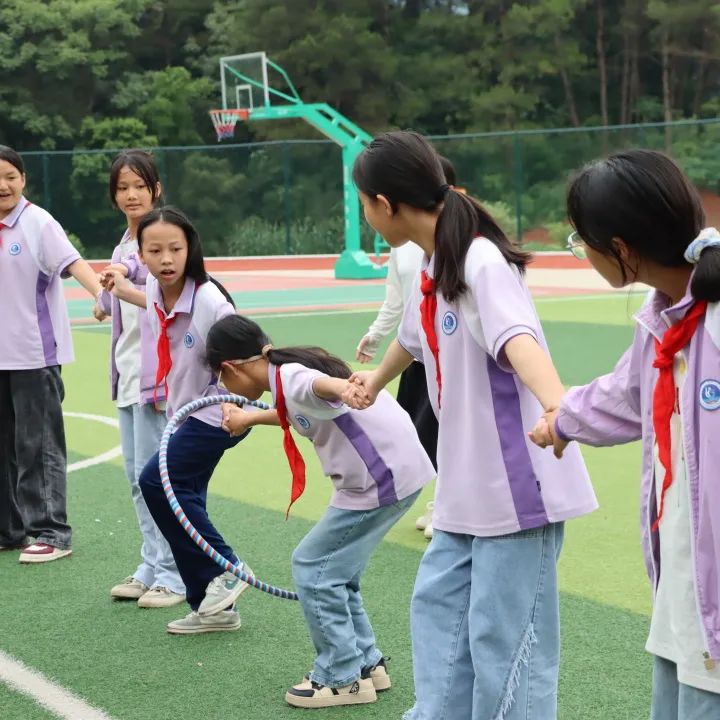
(309, 694)
(379, 675)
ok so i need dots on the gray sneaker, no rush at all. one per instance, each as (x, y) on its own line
(222, 592)
(194, 623)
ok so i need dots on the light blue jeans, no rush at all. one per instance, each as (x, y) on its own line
(327, 566)
(485, 626)
(141, 428)
(671, 700)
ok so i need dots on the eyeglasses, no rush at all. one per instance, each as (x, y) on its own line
(576, 246)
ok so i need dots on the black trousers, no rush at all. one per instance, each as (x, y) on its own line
(33, 458)
(413, 397)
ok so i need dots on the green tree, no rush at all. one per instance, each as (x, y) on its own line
(171, 103)
(58, 63)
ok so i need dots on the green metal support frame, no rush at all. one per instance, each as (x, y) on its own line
(353, 262)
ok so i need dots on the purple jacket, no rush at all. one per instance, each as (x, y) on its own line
(617, 408)
(110, 305)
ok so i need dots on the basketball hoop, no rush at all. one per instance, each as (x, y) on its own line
(224, 121)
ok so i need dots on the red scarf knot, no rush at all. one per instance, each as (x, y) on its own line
(295, 458)
(675, 339)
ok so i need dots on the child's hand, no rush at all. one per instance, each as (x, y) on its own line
(107, 275)
(544, 434)
(235, 420)
(362, 353)
(361, 391)
(98, 314)
(117, 284)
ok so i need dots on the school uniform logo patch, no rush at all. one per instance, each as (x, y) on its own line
(15, 249)
(189, 340)
(449, 323)
(710, 394)
(303, 422)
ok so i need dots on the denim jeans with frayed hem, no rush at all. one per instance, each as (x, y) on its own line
(327, 566)
(141, 428)
(485, 626)
(672, 700)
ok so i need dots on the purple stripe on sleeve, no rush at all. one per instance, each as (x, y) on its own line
(44, 320)
(524, 485)
(379, 471)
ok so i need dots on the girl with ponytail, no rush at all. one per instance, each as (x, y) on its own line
(484, 613)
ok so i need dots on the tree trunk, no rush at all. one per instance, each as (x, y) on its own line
(625, 79)
(567, 85)
(600, 45)
(699, 87)
(667, 94)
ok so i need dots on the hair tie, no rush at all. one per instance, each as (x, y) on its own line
(709, 237)
(441, 192)
(266, 349)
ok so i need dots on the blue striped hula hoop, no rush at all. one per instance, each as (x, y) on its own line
(195, 536)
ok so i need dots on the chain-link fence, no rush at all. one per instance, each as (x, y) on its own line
(285, 197)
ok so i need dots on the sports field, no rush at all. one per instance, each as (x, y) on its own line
(58, 620)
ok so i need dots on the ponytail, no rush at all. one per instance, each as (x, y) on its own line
(705, 283)
(461, 220)
(311, 357)
(236, 337)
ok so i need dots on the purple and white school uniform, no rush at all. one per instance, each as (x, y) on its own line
(197, 309)
(373, 457)
(34, 256)
(492, 480)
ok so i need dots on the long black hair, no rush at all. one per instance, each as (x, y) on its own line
(195, 263)
(142, 164)
(643, 198)
(9, 155)
(236, 337)
(405, 168)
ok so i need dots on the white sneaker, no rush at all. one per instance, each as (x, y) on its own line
(424, 520)
(222, 592)
(194, 624)
(160, 597)
(428, 531)
(129, 589)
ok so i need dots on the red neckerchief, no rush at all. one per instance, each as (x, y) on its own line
(674, 340)
(295, 459)
(163, 352)
(428, 310)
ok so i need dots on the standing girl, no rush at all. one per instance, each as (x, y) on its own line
(378, 467)
(35, 254)
(666, 390)
(182, 303)
(134, 190)
(403, 269)
(484, 615)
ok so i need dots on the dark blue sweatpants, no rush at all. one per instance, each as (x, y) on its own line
(193, 452)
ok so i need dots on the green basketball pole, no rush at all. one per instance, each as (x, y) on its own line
(353, 262)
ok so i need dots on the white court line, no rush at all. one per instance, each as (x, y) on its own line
(30, 682)
(59, 701)
(98, 459)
